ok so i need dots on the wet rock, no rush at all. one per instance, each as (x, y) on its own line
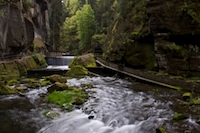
(51, 114)
(179, 117)
(187, 96)
(77, 71)
(45, 82)
(6, 90)
(31, 82)
(56, 78)
(84, 60)
(57, 86)
(161, 130)
(21, 88)
(91, 117)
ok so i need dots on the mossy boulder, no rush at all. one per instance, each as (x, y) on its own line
(51, 114)
(21, 88)
(84, 60)
(12, 70)
(40, 60)
(187, 96)
(13, 82)
(68, 98)
(56, 78)
(39, 45)
(6, 90)
(161, 130)
(31, 82)
(77, 71)
(57, 86)
(21, 67)
(45, 83)
(179, 116)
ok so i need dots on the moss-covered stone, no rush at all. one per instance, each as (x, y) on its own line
(21, 67)
(6, 90)
(13, 82)
(77, 71)
(187, 96)
(56, 78)
(30, 62)
(68, 98)
(57, 86)
(39, 45)
(31, 82)
(45, 83)
(179, 117)
(51, 114)
(40, 60)
(21, 88)
(84, 60)
(161, 130)
(12, 70)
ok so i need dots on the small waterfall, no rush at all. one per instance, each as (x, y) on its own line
(58, 62)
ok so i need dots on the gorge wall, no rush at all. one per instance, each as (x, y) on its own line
(152, 34)
(21, 22)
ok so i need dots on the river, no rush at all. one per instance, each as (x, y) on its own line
(115, 106)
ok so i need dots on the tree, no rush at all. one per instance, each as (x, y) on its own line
(85, 26)
(55, 18)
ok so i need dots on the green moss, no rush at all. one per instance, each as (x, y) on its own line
(179, 117)
(195, 101)
(12, 70)
(31, 64)
(161, 130)
(13, 82)
(21, 67)
(77, 70)
(40, 60)
(187, 96)
(6, 90)
(68, 98)
(32, 82)
(84, 60)
(56, 78)
(45, 83)
(57, 86)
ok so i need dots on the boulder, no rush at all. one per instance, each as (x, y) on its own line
(86, 60)
(187, 96)
(6, 90)
(77, 70)
(57, 86)
(179, 117)
(56, 78)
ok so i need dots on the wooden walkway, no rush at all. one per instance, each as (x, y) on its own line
(152, 78)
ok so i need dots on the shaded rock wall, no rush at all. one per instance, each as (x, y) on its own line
(20, 23)
(16, 68)
(158, 33)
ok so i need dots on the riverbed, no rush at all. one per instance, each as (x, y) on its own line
(114, 106)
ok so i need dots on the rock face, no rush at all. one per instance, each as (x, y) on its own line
(20, 23)
(154, 34)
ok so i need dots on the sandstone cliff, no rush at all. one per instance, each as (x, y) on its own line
(20, 22)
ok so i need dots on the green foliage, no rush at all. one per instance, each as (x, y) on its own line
(191, 9)
(72, 6)
(68, 35)
(86, 26)
(68, 98)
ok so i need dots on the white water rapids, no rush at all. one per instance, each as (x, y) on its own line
(115, 108)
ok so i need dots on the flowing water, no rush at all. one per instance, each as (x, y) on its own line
(59, 62)
(115, 106)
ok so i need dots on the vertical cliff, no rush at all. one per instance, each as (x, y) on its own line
(152, 34)
(20, 22)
